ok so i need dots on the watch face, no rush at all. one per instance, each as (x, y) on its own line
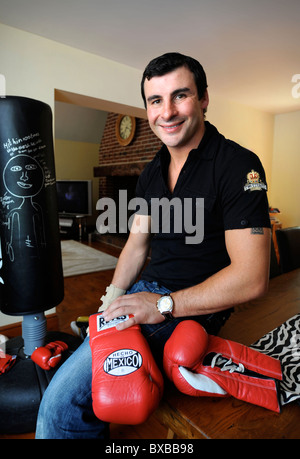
(125, 127)
(165, 304)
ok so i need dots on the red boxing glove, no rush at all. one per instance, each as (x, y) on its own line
(205, 365)
(49, 356)
(126, 382)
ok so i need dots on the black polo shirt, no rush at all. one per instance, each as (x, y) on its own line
(232, 183)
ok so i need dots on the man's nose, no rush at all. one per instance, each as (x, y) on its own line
(169, 110)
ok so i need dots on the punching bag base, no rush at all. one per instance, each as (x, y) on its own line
(22, 387)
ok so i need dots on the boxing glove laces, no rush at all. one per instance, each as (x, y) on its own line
(205, 365)
(126, 383)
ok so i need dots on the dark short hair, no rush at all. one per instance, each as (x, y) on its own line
(171, 61)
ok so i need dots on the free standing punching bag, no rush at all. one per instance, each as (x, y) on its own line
(31, 267)
(31, 275)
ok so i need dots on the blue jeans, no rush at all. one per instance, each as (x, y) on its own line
(66, 408)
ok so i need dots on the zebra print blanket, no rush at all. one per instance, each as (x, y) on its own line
(283, 343)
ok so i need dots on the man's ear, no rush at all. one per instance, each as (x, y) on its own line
(205, 100)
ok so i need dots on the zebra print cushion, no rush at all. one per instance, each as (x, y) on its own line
(283, 343)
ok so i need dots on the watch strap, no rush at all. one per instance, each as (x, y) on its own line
(168, 315)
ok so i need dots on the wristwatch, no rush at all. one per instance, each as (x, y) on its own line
(165, 306)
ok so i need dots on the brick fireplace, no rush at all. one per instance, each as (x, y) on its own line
(119, 166)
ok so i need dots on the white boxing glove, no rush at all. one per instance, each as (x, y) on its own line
(112, 292)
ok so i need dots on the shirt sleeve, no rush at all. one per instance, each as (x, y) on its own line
(243, 190)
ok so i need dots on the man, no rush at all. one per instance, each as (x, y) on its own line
(203, 280)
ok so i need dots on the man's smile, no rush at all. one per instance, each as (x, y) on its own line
(170, 127)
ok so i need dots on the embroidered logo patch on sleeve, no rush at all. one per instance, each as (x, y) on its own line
(254, 183)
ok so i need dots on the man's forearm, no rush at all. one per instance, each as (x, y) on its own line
(221, 291)
(134, 253)
(244, 279)
(128, 268)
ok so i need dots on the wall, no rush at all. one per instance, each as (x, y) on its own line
(286, 168)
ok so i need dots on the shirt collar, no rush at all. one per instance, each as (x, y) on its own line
(208, 144)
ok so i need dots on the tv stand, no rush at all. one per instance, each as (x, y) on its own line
(72, 226)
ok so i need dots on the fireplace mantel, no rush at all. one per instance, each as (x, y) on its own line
(120, 169)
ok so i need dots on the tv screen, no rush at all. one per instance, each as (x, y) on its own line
(74, 197)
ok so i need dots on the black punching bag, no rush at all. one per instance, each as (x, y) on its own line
(31, 276)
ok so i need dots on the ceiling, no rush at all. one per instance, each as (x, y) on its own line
(249, 48)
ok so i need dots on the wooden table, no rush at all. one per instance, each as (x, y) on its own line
(191, 417)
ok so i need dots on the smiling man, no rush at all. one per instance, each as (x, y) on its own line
(175, 113)
(203, 280)
(231, 264)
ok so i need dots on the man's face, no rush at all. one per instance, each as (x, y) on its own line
(174, 112)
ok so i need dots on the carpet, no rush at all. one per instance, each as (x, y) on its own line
(78, 258)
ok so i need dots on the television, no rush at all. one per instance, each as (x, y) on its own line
(74, 197)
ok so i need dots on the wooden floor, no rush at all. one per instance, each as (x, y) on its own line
(82, 295)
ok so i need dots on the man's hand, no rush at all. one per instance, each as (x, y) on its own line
(141, 305)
